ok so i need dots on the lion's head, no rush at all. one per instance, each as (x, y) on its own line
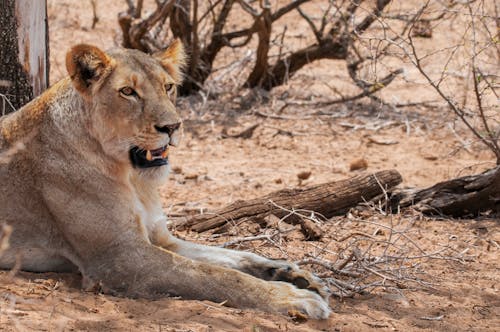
(130, 101)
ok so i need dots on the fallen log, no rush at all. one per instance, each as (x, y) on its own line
(460, 197)
(329, 199)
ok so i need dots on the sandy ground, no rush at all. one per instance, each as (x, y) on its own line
(459, 291)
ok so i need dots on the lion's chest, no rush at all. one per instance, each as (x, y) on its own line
(149, 213)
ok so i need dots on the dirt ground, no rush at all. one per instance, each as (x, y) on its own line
(457, 290)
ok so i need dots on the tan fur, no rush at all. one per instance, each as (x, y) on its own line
(76, 202)
(91, 58)
(173, 60)
(21, 124)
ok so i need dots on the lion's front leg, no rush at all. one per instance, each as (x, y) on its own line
(255, 265)
(140, 269)
(116, 255)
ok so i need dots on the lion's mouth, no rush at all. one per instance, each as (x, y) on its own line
(142, 158)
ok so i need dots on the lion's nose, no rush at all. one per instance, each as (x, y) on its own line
(168, 129)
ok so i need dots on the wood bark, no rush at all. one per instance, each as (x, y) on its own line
(261, 68)
(285, 68)
(460, 197)
(328, 199)
(24, 59)
(207, 55)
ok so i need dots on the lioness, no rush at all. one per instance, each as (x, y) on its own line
(82, 194)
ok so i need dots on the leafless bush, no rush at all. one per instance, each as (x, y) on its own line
(210, 28)
(462, 70)
(382, 251)
(387, 257)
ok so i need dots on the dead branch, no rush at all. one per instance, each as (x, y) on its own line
(327, 199)
(134, 30)
(368, 20)
(263, 25)
(267, 237)
(388, 260)
(332, 45)
(5, 101)
(95, 18)
(245, 133)
(329, 266)
(464, 196)
(308, 220)
(491, 137)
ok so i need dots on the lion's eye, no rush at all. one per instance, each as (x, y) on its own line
(168, 87)
(128, 91)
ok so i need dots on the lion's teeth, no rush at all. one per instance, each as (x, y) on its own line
(164, 154)
(149, 156)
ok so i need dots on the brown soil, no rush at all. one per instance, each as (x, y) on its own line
(211, 171)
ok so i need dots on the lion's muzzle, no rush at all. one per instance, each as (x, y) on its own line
(142, 158)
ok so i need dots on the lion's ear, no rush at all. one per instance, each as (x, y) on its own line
(173, 60)
(86, 65)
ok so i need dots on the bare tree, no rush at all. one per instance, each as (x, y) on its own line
(207, 28)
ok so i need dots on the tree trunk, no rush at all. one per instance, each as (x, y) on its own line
(261, 68)
(328, 199)
(24, 59)
(460, 197)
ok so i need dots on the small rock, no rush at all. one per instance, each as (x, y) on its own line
(430, 157)
(304, 175)
(358, 164)
(191, 176)
(208, 178)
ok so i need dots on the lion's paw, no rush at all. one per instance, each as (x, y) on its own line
(289, 272)
(299, 302)
(279, 270)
